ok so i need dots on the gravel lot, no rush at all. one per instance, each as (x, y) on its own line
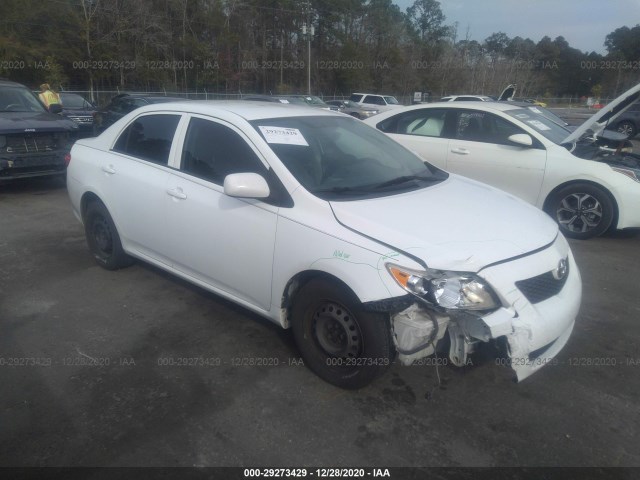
(138, 368)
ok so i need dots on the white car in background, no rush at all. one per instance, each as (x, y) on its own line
(467, 98)
(382, 103)
(586, 179)
(320, 223)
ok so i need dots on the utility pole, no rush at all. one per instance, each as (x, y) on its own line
(307, 33)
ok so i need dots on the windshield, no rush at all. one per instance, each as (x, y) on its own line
(72, 101)
(296, 100)
(341, 158)
(391, 100)
(311, 100)
(17, 99)
(534, 118)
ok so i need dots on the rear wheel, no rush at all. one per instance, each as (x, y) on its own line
(582, 210)
(338, 340)
(103, 239)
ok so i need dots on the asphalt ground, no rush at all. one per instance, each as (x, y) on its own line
(139, 368)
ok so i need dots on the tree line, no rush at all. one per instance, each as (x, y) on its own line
(262, 46)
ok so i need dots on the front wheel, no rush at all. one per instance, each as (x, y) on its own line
(582, 210)
(103, 239)
(338, 340)
(627, 128)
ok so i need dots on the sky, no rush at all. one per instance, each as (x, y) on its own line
(583, 23)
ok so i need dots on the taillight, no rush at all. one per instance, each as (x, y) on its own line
(67, 159)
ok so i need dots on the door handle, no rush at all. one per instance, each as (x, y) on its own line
(109, 169)
(460, 151)
(177, 193)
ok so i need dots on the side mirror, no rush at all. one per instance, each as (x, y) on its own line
(246, 185)
(521, 139)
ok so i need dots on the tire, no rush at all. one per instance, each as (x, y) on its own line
(581, 210)
(103, 239)
(356, 115)
(627, 128)
(338, 340)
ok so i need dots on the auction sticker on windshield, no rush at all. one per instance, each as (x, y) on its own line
(287, 136)
(538, 124)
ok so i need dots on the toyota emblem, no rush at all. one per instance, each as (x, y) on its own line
(561, 272)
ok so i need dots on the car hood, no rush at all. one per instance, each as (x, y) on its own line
(607, 114)
(458, 224)
(21, 122)
(507, 94)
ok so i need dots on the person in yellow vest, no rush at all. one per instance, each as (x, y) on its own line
(50, 98)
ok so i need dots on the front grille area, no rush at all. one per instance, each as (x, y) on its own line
(81, 119)
(542, 287)
(31, 143)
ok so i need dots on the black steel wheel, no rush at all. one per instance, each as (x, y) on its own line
(582, 210)
(338, 340)
(103, 239)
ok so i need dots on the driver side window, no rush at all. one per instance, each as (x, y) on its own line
(212, 151)
(479, 126)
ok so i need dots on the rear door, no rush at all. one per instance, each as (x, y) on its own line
(134, 179)
(480, 149)
(421, 131)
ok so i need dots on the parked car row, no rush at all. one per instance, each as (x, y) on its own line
(382, 250)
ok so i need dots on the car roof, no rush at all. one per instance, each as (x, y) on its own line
(146, 96)
(9, 83)
(166, 99)
(466, 95)
(493, 105)
(247, 110)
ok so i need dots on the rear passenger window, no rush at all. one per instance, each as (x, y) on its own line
(212, 151)
(149, 138)
(426, 122)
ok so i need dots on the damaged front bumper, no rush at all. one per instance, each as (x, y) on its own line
(534, 323)
(34, 165)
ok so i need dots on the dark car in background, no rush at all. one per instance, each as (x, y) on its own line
(628, 123)
(33, 142)
(314, 101)
(121, 105)
(80, 110)
(274, 99)
(354, 109)
(310, 100)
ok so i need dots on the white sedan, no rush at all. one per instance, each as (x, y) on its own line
(322, 224)
(585, 179)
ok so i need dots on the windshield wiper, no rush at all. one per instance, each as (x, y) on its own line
(405, 179)
(347, 190)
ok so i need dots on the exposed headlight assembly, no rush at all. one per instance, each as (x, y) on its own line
(449, 290)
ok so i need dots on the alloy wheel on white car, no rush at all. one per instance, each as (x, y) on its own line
(627, 129)
(582, 211)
